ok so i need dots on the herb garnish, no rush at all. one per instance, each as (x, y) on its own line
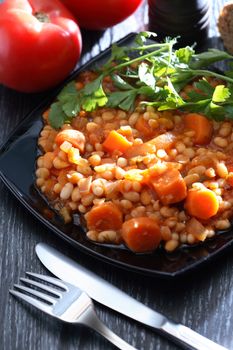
(159, 73)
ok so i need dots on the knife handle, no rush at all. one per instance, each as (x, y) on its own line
(111, 296)
(185, 336)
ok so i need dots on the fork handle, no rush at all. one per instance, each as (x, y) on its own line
(102, 329)
(91, 320)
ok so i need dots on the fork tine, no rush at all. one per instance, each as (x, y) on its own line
(49, 279)
(38, 304)
(41, 286)
(36, 293)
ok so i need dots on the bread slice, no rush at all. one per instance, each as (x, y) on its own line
(225, 26)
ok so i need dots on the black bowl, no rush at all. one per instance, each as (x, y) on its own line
(17, 169)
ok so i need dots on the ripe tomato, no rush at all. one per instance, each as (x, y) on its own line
(40, 43)
(101, 14)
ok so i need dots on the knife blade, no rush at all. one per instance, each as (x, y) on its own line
(105, 293)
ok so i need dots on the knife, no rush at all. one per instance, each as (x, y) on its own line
(105, 293)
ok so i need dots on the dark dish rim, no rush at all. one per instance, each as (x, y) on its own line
(75, 243)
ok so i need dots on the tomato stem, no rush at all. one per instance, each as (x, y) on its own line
(42, 17)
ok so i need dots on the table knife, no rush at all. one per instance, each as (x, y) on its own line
(105, 293)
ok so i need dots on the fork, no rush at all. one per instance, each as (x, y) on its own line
(66, 302)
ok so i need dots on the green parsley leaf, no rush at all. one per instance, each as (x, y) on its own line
(221, 94)
(146, 76)
(215, 111)
(203, 91)
(122, 99)
(204, 86)
(118, 53)
(69, 89)
(56, 115)
(72, 106)
(142, 37)
(70, 100)
(157, 72)
(209, 57)
(229, 71)
(93, 86)
(151, 92)
(93, 95)
(198, 106)
(184, 54)
(97, 99)
(228, 110)
(173, 99)
(121, 83)
(210, 101)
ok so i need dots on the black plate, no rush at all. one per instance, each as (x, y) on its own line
(20, 152)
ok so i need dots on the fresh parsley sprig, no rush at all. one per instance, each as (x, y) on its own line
(159, 73)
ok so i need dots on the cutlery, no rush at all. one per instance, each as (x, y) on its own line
(105, 293)
(67, 303)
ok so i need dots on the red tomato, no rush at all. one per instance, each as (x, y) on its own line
(101, 14)
(40, 43)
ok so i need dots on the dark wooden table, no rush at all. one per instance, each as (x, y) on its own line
(202, 301)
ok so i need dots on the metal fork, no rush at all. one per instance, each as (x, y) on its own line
(65, 302)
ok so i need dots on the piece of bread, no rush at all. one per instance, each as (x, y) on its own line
(225, 26)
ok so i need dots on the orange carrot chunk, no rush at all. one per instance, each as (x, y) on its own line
(139, 150)
(201, 203)
(169, 186)
(202, 126)
(163, 141)
(141, 234)
(116, 141)
(143, 126)
(106, 216)
(75, 137)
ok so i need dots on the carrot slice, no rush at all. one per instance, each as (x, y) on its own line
(139, 150)
(163, 141)
(104, 217)
(141, 234)
(201, 203)
(116, 141)
(169, 186)
(143, 126)
(202, 126)
(75, 137)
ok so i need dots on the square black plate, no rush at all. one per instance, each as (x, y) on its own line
(17, 168)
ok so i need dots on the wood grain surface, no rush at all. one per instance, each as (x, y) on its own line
(202, 301)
